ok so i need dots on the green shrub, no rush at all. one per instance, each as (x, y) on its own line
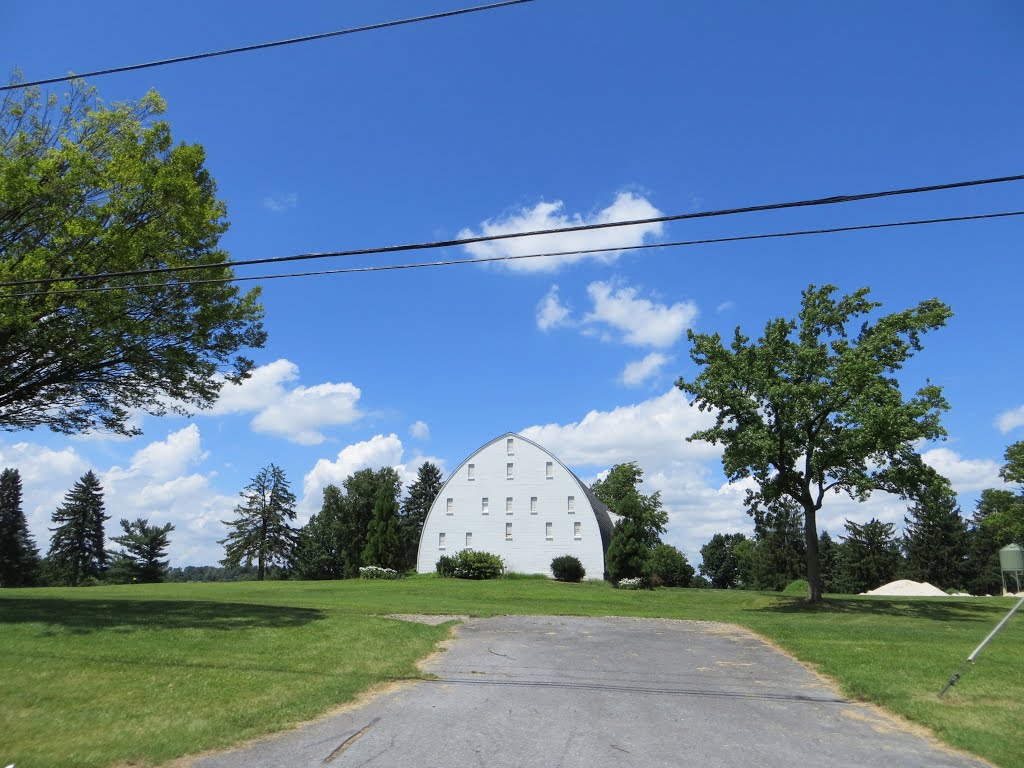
(567, 568)
(470, 564)
(445, 566)
(799, 587)
(669, 567)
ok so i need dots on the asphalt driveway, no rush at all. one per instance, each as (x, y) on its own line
(592, 692)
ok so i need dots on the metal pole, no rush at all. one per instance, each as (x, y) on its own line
(974, 654)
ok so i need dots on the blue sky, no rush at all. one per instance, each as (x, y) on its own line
(554, 112)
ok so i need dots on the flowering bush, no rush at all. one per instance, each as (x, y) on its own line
(376, 572)
(638, 583)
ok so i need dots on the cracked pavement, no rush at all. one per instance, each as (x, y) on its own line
(571, 692)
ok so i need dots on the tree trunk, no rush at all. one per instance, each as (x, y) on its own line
(811, 545)
(259, 570)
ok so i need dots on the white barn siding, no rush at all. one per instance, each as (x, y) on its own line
(460, 510)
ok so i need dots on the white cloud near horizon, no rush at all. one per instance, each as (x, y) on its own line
(642, 322)
(626, 207)
(1010, 420)
(966, 475)
(639, 371)
(296, 413)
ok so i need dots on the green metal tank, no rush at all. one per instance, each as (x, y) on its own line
(1011, 558)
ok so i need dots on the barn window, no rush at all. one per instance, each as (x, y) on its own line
(577, 530)
(508, 505)
(508, 531)
(572, 505)
(533, 505)
(440, 541)
(508, 470)
(471, 472)
(485, 505)
(549, 470)
(469, 539)
(509, 446)
(548, 531)
(449, 506)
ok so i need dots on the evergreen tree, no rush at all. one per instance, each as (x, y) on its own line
(145, 547)
(828, 557)
(870, 556)
(318, 554)
(935, 539)
(19, 558)
(383, 545)
(261, 532)
(778, 556)
(415, 507)
(76, 547)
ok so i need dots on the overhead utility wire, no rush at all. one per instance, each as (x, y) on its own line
(579, 252)
(491, 238)
(259, 46)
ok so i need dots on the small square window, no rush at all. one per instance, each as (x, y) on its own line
(508, 531)
(469, 539)
(572, 505)
(449, 506)
(548, 531)
(485, 505)
(549, 470)
(533, 505)
(508, 505)
(471, 471)
(509, 446)
(440, 541)
(577, 530)
(508, 470)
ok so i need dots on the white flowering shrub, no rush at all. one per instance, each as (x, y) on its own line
(376, 572)
(637, 583)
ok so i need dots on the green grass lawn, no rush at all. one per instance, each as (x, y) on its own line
(141, 674)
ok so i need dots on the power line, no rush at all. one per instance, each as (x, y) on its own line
(579, 252)
(491, 238)
(259, 46)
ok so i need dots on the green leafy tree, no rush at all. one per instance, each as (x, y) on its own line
(362, 490)
(415, 506)
(383, 544)
(778, 555)
(77, 548)
(869, 556)
(1003, 513)
(318, 554)
(142, 558)
(719, 561)
(641, 527)
(261, 533)
(669, 567)
(935, 539)
(91, 188)
(19, 557)
(811, 408)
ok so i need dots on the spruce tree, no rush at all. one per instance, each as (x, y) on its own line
(870, 556)
(145, 547)
(935, 539)
(19, 558)
(828, 556)
(415, 508)
(77, 546)
(383, 546)
(779, 552)
(261, 532)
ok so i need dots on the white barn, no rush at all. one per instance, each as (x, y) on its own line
(515, 499)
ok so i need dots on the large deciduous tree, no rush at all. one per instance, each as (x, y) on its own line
(88, 188)
(144, 549)
(641, 525)
(363, 489)
(721, 562)
(318, 553)
(813, 406)
(261, 533)
(77, 549)
(19, 557)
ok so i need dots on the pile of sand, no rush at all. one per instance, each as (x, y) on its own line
(907, 588)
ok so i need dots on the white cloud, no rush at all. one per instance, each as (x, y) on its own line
(1011, 419)
(281, 203)
(420, 430)
(965, 474)
(626, 207)
(168, 458)
(642, 322)
(551, 313)
(639, 371)
(725, 306)
(296, 414)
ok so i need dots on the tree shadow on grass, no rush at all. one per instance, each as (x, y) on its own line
(88, 615)
(935, 609)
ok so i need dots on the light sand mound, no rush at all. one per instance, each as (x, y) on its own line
(907, 588)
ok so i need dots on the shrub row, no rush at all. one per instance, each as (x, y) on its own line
(469, 564)
(376, 572)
